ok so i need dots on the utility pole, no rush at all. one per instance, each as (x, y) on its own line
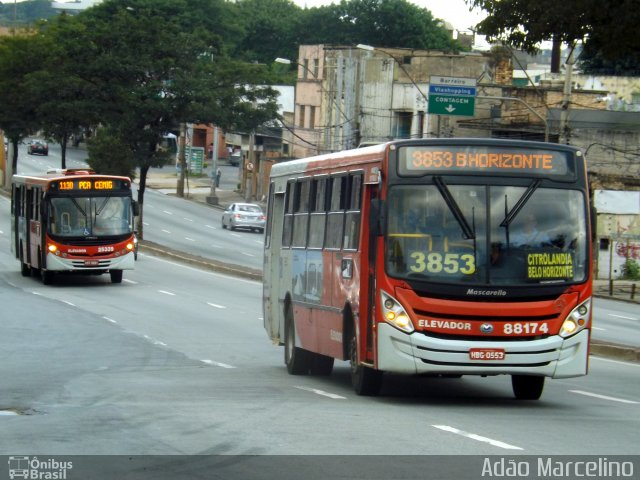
(212, 199)
(249, 168)
(566, 99)
(182, 161)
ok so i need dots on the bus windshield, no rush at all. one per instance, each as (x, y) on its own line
(90, 216)
(486, 234)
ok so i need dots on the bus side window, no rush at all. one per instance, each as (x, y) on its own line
(352, 218)
(335, 218)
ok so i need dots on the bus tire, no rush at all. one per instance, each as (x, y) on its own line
(365, 381)
(527, 387)
(321, 365)
(297, 359)
(25, 269)
(47, 276)
(116, 276)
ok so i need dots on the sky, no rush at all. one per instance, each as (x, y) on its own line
(456, 12)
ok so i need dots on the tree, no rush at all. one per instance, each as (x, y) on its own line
(157, 63)
(266, 35)
(18, 115)
(607, 24)
(109, 154)
(65, 100)
(381, 23)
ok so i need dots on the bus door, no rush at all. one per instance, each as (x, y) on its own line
(273, 316)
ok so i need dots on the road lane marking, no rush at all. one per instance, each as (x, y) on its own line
(217, 364)
(215, 305)
(190, 239)
(205, 272)
(211, 227)
(322, 392)
(166, 231)
(603, 397)
(68, 302)
(158, 342)
(167, 212)
(621, 316)
(167, 293)
(187, 219)
(626, 364)
(110, 320)
(248, 254)
(130, 281)
(598, 328)
(236, 235)
(473, 436)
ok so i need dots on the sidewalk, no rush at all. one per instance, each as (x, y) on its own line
(196, 188)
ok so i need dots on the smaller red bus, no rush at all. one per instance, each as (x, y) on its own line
(72, 221)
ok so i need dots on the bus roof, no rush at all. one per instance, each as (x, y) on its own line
(371, 152)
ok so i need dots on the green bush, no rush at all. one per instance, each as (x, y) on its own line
(631, 270)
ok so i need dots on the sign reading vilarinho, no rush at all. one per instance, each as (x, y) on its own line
(452, 96)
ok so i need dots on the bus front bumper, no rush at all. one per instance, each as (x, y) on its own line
(418, 353)
(56, 263)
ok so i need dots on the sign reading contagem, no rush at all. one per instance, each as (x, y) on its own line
(452, 96)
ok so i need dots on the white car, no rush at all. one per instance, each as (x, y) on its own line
(244, 215)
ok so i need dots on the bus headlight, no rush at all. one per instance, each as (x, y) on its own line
(576, 320)
(395, 314)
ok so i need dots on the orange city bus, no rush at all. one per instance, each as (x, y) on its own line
(420, 257)
(72, 221)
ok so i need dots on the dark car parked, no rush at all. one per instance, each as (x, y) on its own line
(38, 146)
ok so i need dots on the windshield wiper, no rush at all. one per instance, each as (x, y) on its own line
(509, 216)
(467, 230)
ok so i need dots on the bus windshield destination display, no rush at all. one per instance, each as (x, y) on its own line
(90, 184)
(470, 159)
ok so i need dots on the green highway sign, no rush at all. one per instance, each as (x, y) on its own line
(452, 105)
(452, 96)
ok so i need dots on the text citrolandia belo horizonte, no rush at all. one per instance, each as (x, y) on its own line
(443, 159)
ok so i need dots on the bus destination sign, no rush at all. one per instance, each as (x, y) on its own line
(90, 184)
(444, 159)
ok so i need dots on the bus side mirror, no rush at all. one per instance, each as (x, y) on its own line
(593, 219)
(377, 220)
(135, 206)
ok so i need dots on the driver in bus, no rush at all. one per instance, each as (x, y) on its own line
(529, 235)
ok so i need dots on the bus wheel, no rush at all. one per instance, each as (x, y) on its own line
(527, 387)
(25, 269)
(298, 360)
(365, 380)
(321, 365)
(116, 276)
(47, 276)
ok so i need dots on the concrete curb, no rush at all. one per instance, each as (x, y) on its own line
(618, 352)
(213, 265)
